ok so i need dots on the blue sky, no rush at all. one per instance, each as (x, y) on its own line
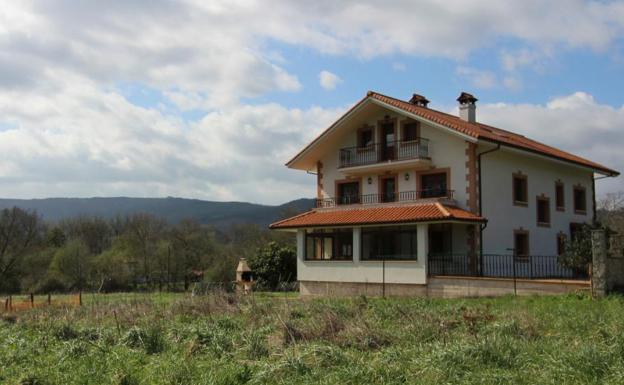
(208, 99)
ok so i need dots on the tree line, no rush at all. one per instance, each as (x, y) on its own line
(134, 252)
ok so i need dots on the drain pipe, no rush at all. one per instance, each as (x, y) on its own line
(483, 225)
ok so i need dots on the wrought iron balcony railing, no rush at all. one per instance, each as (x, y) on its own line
(383, 152)
(367, 199)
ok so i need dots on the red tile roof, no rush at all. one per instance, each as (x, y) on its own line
(475, 130)
(424, 212)
(489, 133)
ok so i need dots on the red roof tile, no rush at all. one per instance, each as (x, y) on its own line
(378, 215)
(475, 130)
(489, 133)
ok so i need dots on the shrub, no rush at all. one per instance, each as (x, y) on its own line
(274, 264)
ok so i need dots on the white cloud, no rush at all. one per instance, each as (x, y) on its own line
(86, 141)
(328, 80)
(575, 123)
(477, 78)
(66, 130)
(512, 83)
(399, 66)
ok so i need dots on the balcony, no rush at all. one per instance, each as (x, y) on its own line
(384, 153)
(371, 199)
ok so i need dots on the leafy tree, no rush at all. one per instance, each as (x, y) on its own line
(274, 264)
(578, 251)
(55, 237)
(71, 264)
(110, 270)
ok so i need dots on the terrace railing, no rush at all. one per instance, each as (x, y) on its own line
(503, 266)
(367, 199)
(382, 152)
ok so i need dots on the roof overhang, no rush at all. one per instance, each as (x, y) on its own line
(541, 155)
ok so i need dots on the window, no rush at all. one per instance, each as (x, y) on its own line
(397, 243)
(543, 211)
(365, 137)
(559, 196)
(348, 193)
(520, 190)
(410, 131)
(329, 245)
(433, 185)
(388, 186)
(561, 243)
(521, 245)
(580, 200)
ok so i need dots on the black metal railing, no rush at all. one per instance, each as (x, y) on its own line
(383, 152)
(368, 199)
(503, 266)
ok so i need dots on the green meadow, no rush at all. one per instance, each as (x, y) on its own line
(282, 339)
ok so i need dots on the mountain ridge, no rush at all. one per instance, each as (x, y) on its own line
(173, 209)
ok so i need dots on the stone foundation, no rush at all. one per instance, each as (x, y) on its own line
(456, 287)
(444, 287)
(351, 289)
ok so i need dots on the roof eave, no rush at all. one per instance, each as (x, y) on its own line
(603, 170)
(359, 105)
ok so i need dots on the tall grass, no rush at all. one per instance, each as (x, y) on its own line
(223, 339)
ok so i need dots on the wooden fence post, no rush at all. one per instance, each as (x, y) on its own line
(6, 304)
(49, 299)
(80, 298)
(10, 303)
(32, 300)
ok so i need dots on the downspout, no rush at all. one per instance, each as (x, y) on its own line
(483, 225)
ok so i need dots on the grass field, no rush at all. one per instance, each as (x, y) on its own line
(278, 339)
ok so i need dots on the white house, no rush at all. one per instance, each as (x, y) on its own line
(406, 194)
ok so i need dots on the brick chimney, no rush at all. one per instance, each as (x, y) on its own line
(419, 100)
(467, 107)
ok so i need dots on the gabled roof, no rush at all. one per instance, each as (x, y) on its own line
(475, 130)
(425, 212)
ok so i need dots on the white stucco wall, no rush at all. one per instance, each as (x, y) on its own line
(413, 272)
(446, 151)
(503, 217)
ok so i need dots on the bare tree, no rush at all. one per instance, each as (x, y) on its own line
(611, 211)
(20, 234)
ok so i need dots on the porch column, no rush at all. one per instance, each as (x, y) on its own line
(300, 245)
(422, 236)
(357, 236)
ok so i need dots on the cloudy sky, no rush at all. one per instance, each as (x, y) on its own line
(208, 99)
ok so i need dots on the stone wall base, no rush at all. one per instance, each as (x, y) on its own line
(351, 289)
(456, 287)
(444, 287)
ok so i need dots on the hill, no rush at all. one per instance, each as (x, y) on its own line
(172, 209)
